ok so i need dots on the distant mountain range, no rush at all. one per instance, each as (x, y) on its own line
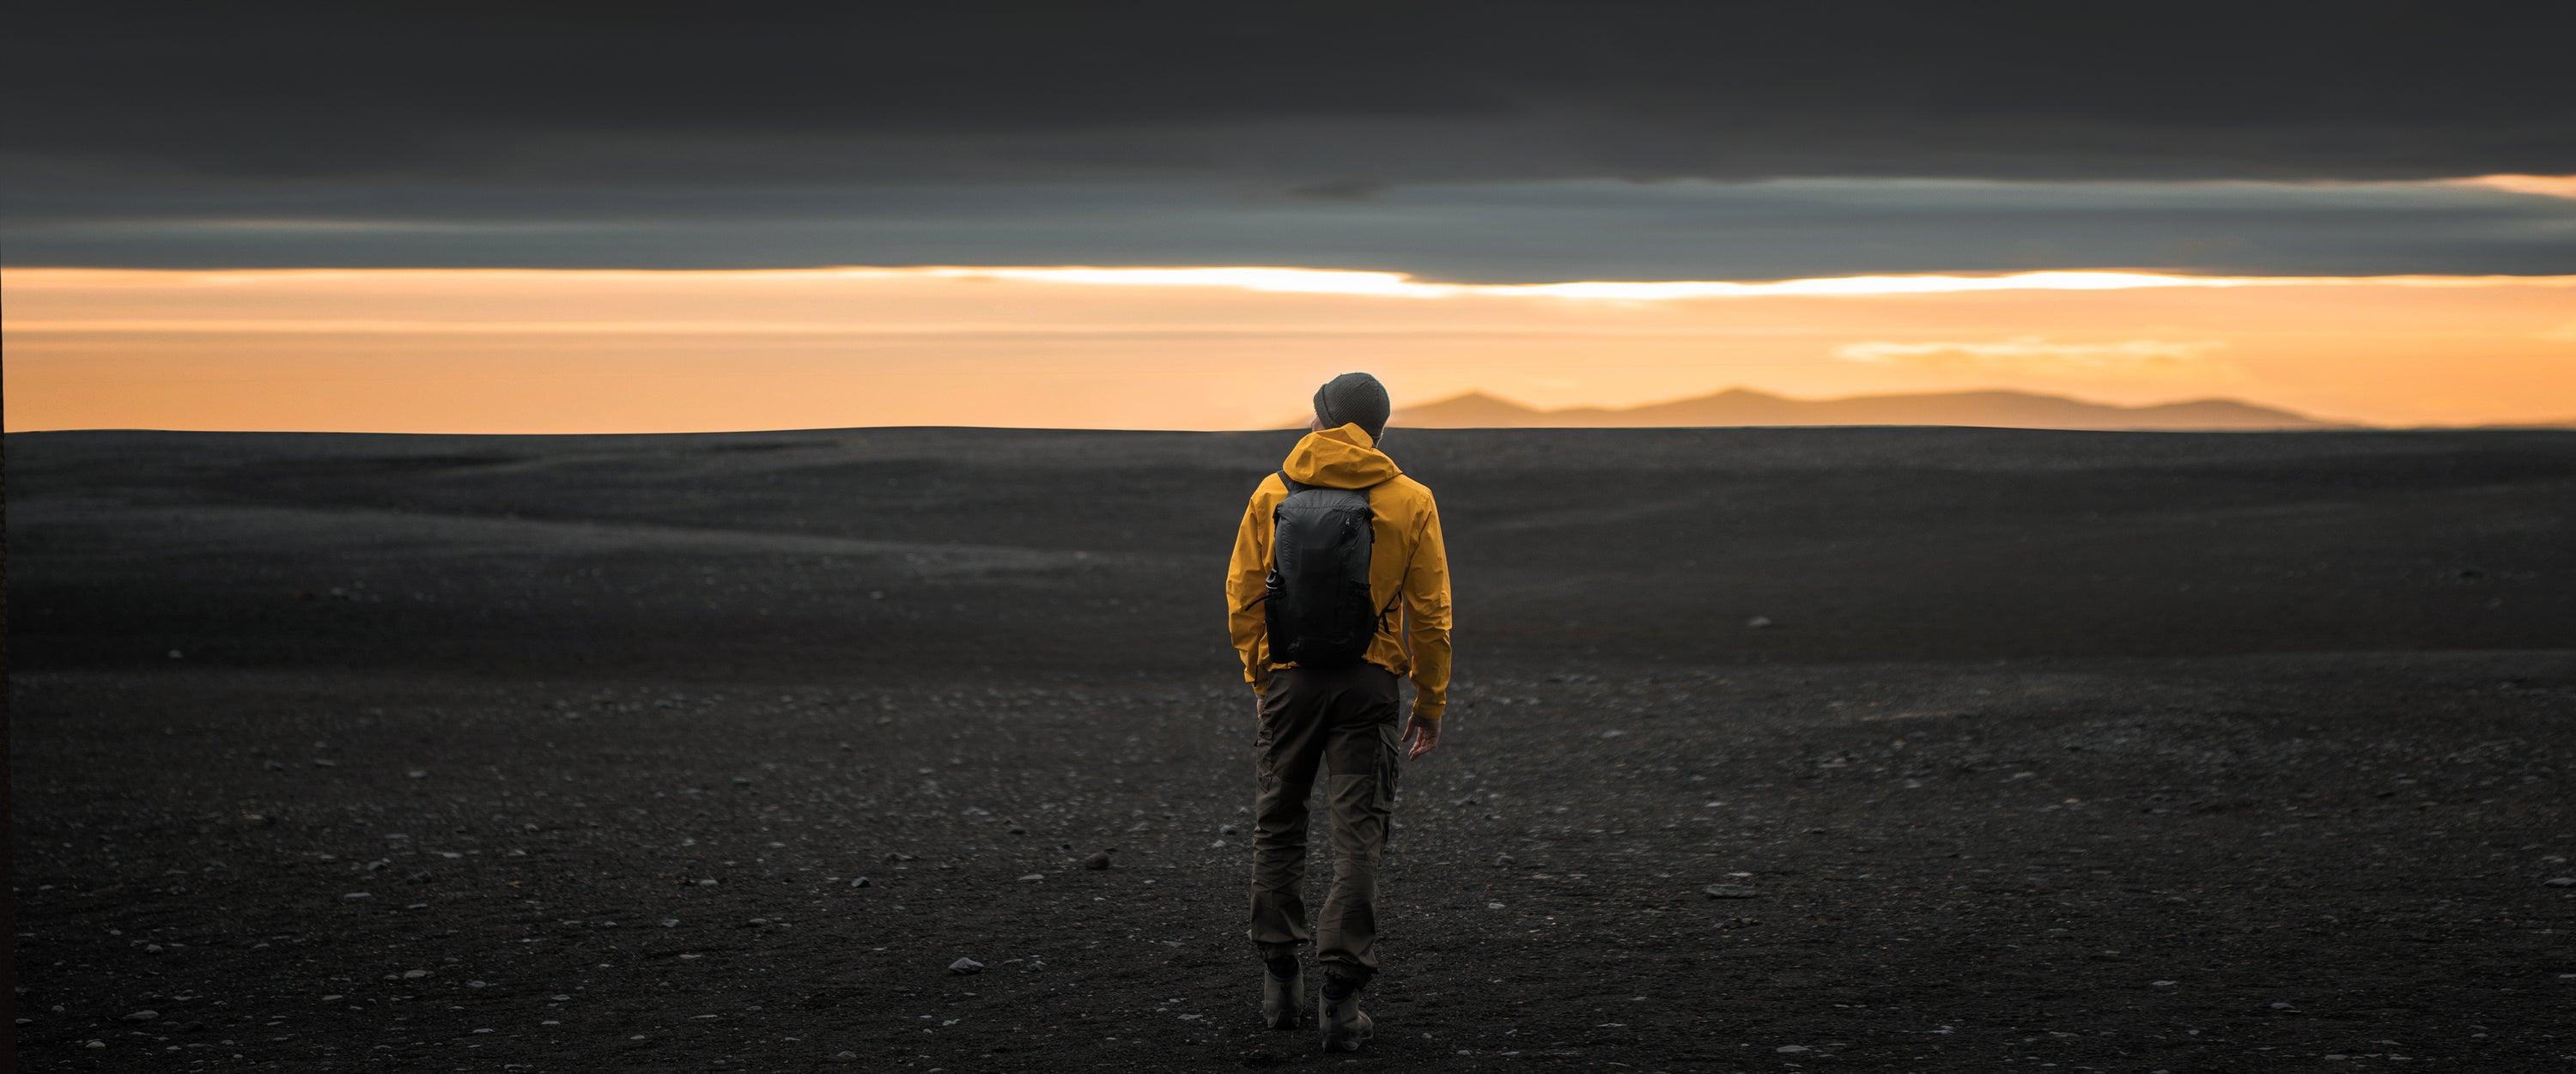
(1743, 406)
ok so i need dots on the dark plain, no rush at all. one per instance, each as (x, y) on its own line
(2001, 750)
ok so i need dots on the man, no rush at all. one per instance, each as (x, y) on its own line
(1339, 710)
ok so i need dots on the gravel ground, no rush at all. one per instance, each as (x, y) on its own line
(517, 825)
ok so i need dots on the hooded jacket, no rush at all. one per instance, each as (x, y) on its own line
(1406, 557)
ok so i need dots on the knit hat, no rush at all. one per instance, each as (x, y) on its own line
(1353, 397)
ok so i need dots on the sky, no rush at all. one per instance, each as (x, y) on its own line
(664, 182)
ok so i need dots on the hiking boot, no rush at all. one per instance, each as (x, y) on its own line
(1345, 1028)
(1282, 998)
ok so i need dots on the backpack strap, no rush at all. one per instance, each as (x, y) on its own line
(1295, 486)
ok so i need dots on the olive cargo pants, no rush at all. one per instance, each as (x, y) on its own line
(1345, 720)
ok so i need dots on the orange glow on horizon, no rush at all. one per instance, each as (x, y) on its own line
(1221, 347)
(2547, 186)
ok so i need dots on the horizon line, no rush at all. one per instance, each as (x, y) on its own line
(2568, 425)
(2323, 425)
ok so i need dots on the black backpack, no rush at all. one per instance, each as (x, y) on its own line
(1319, 610)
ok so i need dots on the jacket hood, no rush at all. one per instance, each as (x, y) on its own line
(1343, 458)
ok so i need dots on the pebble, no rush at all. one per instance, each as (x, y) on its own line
(414, 975)
(1032, 878)
(848, 1057)
(1759, 622)
(359, 895)
(965, 965)
(1218, 845)
(1493, 906)
(670, 922)
(2560, 882)
(1729, 891)
(1097, 861)
(96, 1043)
(142, 1016)
(1788, 1048)
(860, 882)
(1505, 859)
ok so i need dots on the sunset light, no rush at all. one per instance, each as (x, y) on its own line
(2549, 186)
(1215, 347)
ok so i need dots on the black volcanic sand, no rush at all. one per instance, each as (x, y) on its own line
(2121, 752)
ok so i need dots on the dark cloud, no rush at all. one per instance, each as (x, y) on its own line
(1346, 189)
(1486, 232)
(1314, 92)
(1353, 134)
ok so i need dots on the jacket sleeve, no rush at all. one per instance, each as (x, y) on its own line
(1426, 613)
(1244, 584)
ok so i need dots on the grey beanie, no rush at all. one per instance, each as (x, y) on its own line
(1353, 397)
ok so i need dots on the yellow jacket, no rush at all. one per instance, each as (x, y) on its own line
(1406, 555)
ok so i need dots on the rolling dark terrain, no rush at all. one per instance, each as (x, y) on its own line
(2014, 749)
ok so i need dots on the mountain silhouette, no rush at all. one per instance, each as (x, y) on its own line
(1743, 406)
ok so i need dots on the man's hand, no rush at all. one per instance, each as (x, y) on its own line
(1420, 735)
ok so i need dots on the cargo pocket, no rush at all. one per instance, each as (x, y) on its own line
(1265, 775)
(1390, 761)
